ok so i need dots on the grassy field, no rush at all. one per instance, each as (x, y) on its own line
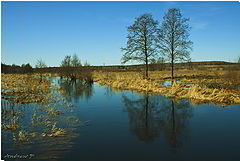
(212, 85)
(24, 88)
(202, 82)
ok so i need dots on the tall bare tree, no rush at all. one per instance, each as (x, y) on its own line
(75, 61)
(173, 37)
(66, 61)
(71, 61)
(40, 64)
(141, 44)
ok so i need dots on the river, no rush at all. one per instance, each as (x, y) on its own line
(102, 124)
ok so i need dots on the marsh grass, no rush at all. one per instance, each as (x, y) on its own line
(13, 124)
(197, 80)
(48, 115)
(24, 88)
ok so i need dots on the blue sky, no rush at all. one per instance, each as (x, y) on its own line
(96, 31)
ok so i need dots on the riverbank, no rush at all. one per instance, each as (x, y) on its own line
(46, 108)
(184, 88)
(194, 85)
(24, 88)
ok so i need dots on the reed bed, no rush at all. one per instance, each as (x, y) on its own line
(24, 88)
(19, 90)
(154, 84)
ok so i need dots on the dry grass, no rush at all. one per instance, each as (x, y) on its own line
(199, 92)
(47, 115)
(23, 88)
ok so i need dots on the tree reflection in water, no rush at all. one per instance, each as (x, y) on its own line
(143, 118)
(77, 89)
(177, 115)
(153, 116)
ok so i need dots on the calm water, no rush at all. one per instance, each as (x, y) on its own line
(107, 125)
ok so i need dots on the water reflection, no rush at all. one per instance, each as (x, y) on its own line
(176, 116)
(143, 119)
(27, 128)
(153, 116)
(76, 89)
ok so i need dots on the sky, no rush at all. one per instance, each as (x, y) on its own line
(96, 31)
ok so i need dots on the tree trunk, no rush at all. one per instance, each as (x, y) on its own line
(146, 67)
(172, 68)
(146, 56)
(172, 46)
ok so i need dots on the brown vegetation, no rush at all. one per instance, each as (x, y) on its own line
(23, 88)
(195, 85)
(216, 82)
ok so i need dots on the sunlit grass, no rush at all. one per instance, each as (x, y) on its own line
(24, 88)
(19, 90)
(195, 85)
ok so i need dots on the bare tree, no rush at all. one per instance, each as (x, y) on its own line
(173, 37)
(66, 61)
(141, 44)
(71, 61)
(75, 61)
(40, 64)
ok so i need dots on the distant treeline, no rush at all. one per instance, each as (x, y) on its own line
(26, 68)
